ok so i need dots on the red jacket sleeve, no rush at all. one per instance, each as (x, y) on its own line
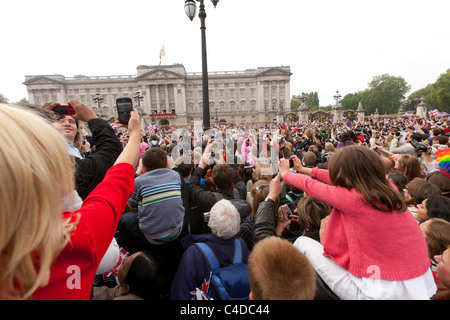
(103, 207)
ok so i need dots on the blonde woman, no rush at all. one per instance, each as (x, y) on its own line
(47, 253)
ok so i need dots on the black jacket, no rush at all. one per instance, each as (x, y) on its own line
(205, 198)
(265, 223)
(90, 171)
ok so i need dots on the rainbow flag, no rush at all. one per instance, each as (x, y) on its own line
(443, 157)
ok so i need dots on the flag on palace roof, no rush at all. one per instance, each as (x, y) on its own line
(162, 53)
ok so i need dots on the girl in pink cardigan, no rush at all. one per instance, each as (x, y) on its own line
(372, 247)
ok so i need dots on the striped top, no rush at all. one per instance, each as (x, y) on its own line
(157, 197)
(158, 193)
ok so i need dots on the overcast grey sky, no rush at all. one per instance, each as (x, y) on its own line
(329, 44)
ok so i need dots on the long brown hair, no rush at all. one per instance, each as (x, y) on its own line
(437, 236)
(410, 166)
(360, 168)
(259, 192)
(311, 211)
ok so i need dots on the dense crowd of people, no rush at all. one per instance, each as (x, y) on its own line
(317, 211)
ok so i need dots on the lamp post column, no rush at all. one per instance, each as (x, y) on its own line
(205, 87)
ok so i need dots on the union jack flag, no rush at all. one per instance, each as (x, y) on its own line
(113, 125)
(152, 126)
(433, 112)
(202, 292)
(200, 295)
(113, 274)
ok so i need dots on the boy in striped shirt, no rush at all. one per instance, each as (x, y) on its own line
(157, 198)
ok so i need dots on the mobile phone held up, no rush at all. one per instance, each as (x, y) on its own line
(291, 163)
(64, 110)
(124, 107)
(287, 212)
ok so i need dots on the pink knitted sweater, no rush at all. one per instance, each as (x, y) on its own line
(367, 242)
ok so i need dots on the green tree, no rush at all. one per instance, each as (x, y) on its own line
(386, 93)
(295, 103)
(3, 99)
(23, 101)
(312, 101)
(412, 100)
(439, 96)
(424, 92)
(352, 100)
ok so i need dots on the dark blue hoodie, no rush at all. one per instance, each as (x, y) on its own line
(193, 268)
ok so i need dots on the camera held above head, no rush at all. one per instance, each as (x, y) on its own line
(420, 147)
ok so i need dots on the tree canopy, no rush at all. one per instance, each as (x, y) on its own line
(387, 93)
(437, 95)
(311, 100)
(4, 99)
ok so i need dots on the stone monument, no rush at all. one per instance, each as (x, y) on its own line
(337, 109)
(303, 113)
(422, 109)
(360, 112)
(280, 116)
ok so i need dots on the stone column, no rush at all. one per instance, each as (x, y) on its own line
(338, 112)
(303, 113)
(148, 103)
(175, 96)
(360, 112)
(166, 89)
(260, 93)
(62, 95)
(158, 104)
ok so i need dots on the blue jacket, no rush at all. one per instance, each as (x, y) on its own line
(193, 268)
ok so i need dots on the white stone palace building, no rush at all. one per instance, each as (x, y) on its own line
(172, 96)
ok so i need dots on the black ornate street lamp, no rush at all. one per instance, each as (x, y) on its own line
(190, 8)
(99, 100)
(138, 98)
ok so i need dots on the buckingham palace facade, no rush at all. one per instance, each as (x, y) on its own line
(168, 95)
